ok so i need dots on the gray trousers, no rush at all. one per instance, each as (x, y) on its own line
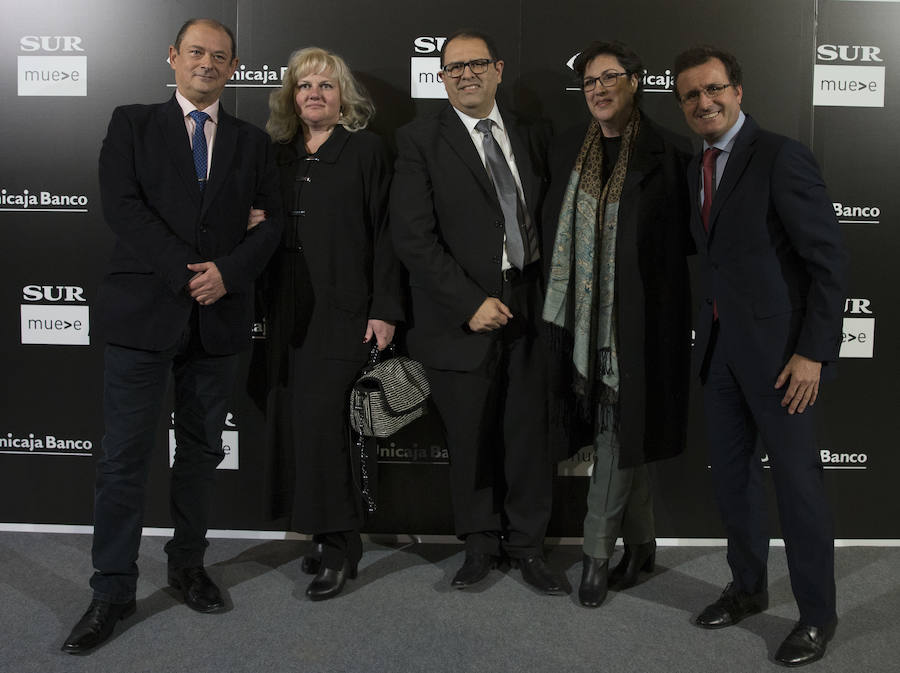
(619, 501)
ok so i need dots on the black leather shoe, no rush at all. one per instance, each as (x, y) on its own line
(475, 568)
(538, 574)
(637, 558)
(329, 582)
(594, 583)
(199, 592)
(312, 562)
(804, 645)
(96, 625)
(733, 605)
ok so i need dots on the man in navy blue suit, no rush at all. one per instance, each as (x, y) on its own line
(177, 181)
(772, 270)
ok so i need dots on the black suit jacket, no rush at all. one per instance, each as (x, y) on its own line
(773, 260)
(448, 228)
(162, 222)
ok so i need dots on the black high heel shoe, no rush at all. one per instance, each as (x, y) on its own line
(329, 582)
(594, 583)
(636, 559)
(312, 562)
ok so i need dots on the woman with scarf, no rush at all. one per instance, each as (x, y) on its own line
(618, 306)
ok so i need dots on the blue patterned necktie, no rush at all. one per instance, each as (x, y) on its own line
(199, 146)
(507, 193)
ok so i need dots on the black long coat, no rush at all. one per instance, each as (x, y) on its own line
(335, 269)
(653, 313)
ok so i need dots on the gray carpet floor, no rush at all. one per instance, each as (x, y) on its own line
(401, 615)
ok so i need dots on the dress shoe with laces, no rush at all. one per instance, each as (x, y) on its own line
(329, 582)
(538, 574)
(475, 568)
(199, 592)
(733, 605)
(637, 558)
(96, 625)
(805, 644)
(594, 582)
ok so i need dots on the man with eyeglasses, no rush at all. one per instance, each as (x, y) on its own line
(769, 328)
(464, 201)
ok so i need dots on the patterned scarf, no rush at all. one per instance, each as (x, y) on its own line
(580, 296)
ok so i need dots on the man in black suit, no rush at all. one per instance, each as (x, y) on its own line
(177, 181)
(773, 282)
(466, 191)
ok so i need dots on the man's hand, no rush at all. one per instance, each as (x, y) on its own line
(804, 387)
(492, 314)
(383, 331)
(257, 215)
(207, 286)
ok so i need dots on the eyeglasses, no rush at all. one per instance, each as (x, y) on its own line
(607, 80)
(477, 66)
(711, 91)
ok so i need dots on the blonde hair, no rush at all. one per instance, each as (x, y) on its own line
(356, 106)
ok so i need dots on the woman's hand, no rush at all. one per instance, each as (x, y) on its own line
(383, 331)
(257, 215)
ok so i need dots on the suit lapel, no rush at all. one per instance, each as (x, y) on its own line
(454, 132)
(741, 153)
(693, 181)
(171, 122)
(223, 153)
(523, 161)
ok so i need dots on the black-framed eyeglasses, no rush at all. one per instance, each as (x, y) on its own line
(711, 91)
(477, 66)
(606, 79)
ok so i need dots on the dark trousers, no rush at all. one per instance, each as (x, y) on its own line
(495, 425)
(134, 387)
(736, 414)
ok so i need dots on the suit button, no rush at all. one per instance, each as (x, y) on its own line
(498, 223)
(709, 301)
(495, 259)
(299, 248)
(203, 229)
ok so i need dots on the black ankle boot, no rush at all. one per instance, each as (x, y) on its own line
(329, 582)
(594, 584)
(636, 559)
(313, 560)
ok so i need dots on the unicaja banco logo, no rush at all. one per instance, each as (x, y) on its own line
(52, 65)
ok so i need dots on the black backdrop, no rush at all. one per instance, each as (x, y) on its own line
(821, 71)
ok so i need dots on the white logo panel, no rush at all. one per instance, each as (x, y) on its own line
(61, 325)
(424, 82)
(848, 86)
(859, 338)
(52, 75)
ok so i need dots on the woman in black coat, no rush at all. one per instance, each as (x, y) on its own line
(618, 305)
(332, 290)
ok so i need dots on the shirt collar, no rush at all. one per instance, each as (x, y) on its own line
(187, 107)
(470, 122)
(726, 142)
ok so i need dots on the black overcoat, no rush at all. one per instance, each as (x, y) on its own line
(334, 270)
(653, 313)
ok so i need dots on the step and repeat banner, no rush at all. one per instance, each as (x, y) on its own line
(824, 72)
